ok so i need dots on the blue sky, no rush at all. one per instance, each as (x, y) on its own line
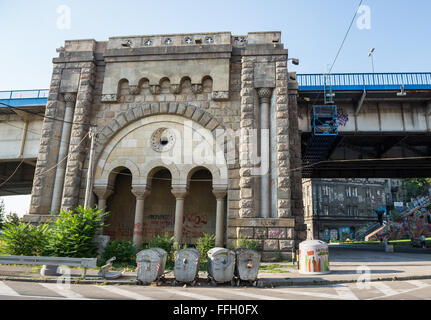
(312, 30)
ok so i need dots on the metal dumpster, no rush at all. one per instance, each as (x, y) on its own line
(313, 257)
(187, 265)
(151, 264)
(247, 265)
(221, 265)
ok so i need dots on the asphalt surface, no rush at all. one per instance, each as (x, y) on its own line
(394, 290)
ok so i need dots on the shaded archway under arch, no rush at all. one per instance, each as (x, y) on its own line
(199, 207)
(159, 208)
(121, 205)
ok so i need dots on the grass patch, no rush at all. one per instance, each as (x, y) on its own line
(273, 268)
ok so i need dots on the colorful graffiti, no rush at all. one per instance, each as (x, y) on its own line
(343, 118)
(315, 261)
(412, 225)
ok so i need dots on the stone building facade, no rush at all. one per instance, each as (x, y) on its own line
(332, 205)
(180, 122)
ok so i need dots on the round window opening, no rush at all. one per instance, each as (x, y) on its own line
(162, 140)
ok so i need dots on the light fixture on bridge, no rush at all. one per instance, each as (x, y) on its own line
(402, 93)
(294, 61)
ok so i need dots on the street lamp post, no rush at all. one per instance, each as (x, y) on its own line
(370, 54)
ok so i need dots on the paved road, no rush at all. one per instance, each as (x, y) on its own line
(398, 290)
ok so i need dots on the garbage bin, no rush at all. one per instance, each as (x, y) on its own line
(151, 264)
(187, 265)
(247, 265)
(221, 265)
(313, 257)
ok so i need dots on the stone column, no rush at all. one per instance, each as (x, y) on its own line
(103, 194)
(179, 194)
(265, 178)
(69, 99)
(220, 196)
(138, 235)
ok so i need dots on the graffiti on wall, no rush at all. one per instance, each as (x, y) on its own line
(412, 225)
(343, 118)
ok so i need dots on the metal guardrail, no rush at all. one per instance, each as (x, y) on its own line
(56, 261)
(364, 81)
(17, 98)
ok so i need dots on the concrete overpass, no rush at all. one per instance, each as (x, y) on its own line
(20, 129)
(384, 125)
(384, 128)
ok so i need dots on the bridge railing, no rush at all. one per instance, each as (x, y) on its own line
(24, 94)
(364, 81)
(17, 98)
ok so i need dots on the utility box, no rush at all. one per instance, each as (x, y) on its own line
(151, 264)
(221, 265)
(247, 265)
(313, 257)
(187, 265)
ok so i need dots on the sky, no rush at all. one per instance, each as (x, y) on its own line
(312, 31)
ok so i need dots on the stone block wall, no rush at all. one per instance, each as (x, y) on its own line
(257, 61)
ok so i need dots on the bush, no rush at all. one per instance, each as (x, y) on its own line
(166, 243)
(72, 234)
(124, 252)
(205, 244)
(246, 244)
(24, 239)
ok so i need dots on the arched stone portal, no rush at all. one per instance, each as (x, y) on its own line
(159, 152)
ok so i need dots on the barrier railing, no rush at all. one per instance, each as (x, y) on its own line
(364, 81)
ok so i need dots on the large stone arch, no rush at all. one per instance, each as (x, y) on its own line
(139, 111)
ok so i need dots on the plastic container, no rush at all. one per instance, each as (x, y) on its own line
(313, 257)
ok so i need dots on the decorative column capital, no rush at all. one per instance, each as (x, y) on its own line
(133, 89)
(140, 192)
(219, 193)
(264, 94)
(179, 193)
(69, 97)
(103, 192)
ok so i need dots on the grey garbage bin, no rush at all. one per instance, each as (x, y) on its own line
(187, 265)
(247, 265)
(221, 265)
(151, 264)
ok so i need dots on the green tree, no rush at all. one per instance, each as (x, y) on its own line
(2, 213)
(416, 187)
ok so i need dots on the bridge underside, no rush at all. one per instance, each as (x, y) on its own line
(21, 182)
(394, 156)
(384, 135)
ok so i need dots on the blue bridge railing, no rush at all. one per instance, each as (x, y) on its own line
(364, 81)
(18, 98)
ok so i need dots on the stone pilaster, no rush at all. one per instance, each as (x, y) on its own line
(43, 181)
(247, 124)
(77, 148)
(297, 206)
(282, 130)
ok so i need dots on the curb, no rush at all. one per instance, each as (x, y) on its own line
(262, 282)
(290, 283)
